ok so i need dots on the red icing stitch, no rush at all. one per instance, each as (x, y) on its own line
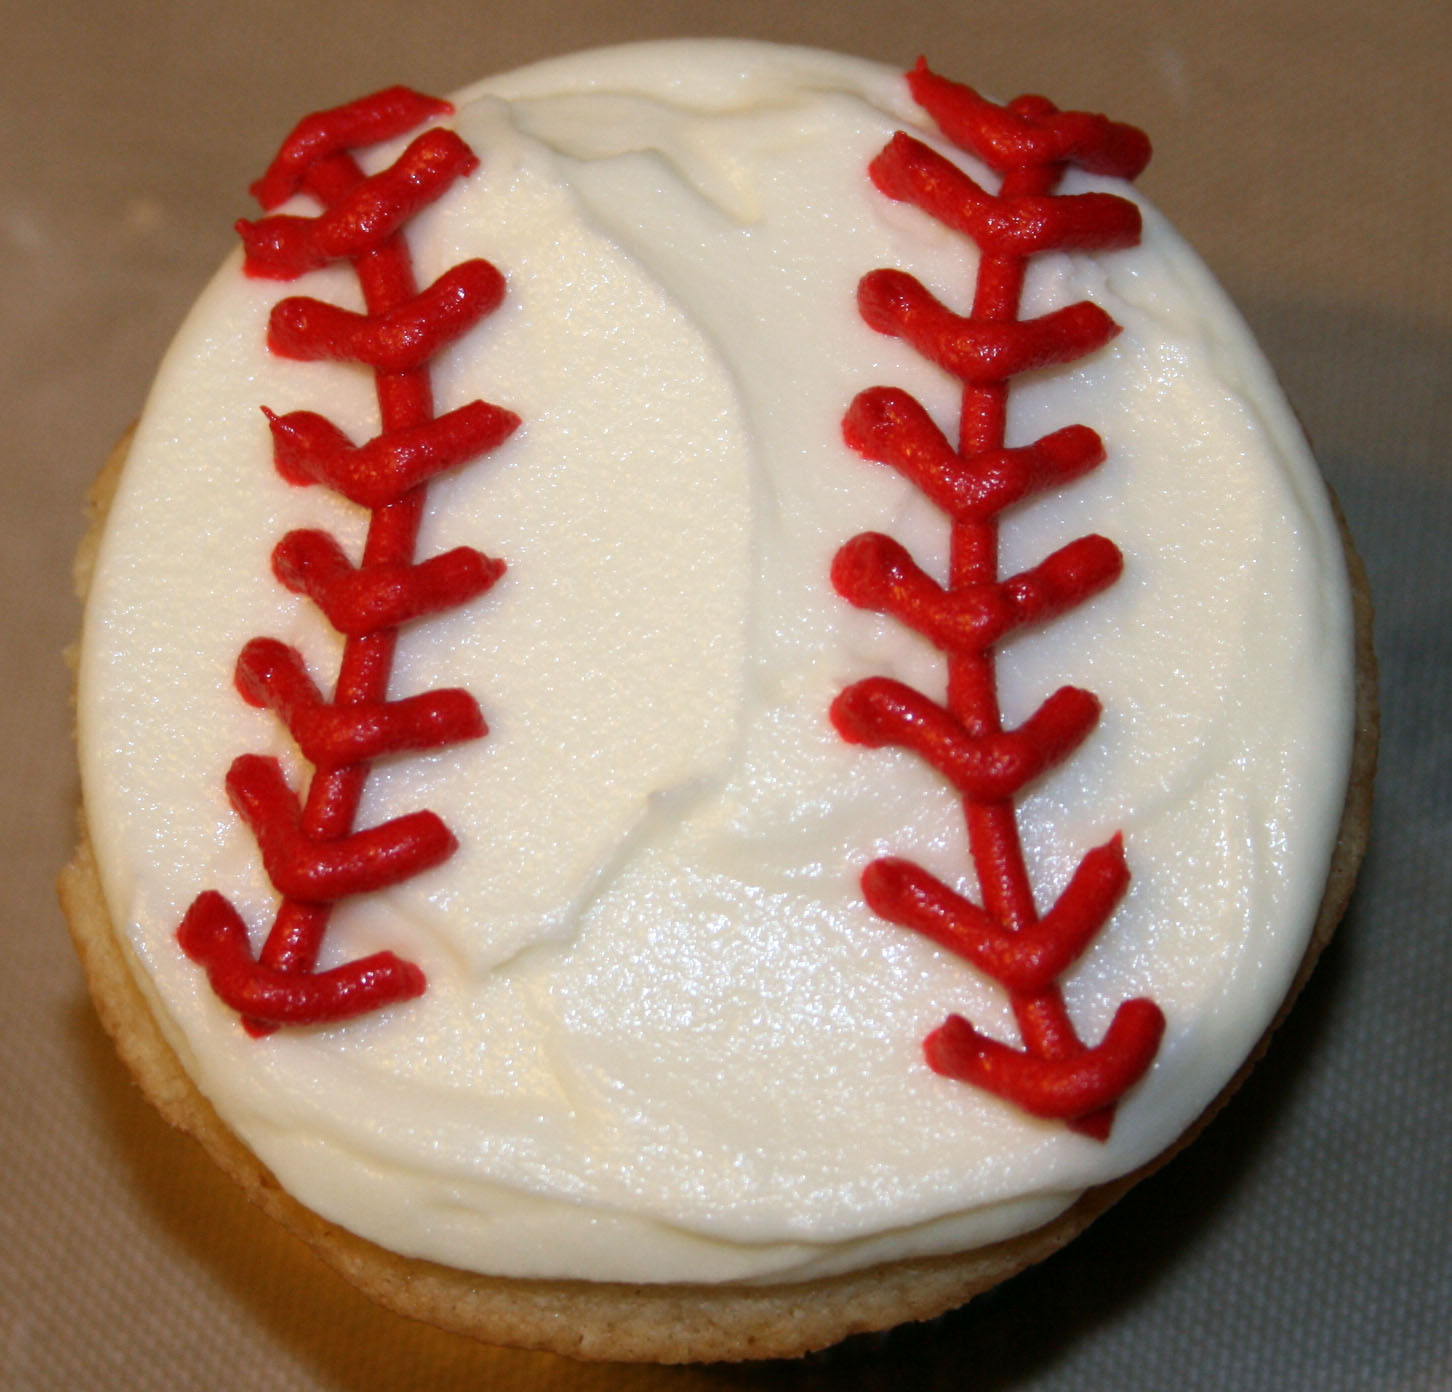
(1030, 132)
(383, 116)
(272, 674)
(282, 247)
(320, 870)
(214, 934)
(909, 171)
(309, 847)
(1054, 1075)
(358, 601)
(404, 338)
(309, 448)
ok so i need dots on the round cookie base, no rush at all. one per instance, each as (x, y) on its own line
(648, 1323)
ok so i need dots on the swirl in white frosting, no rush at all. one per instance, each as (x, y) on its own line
(664, 1038)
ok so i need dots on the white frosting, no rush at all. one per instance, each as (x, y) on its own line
(664, 1038)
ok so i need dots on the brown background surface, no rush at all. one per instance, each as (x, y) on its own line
(1306, 1240)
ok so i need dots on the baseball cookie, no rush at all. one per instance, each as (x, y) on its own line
(718, 696)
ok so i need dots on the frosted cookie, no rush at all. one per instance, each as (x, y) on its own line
(717, 697)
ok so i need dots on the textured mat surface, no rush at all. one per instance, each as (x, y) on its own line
(1303, 1242)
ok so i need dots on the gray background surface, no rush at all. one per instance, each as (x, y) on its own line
(1304, 1241)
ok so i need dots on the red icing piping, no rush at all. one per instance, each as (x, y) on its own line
(361, 214)
(382, 116)
(309, 847)
(1028, 142)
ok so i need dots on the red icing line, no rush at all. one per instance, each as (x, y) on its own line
(272, 674)
(309, 847)
(358, 601)
(309, 448)
(404, 338)
(1030, 132)
(1055, 1075)
(364, 218)
(908, 170)
(214, 934)
(382, 116)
